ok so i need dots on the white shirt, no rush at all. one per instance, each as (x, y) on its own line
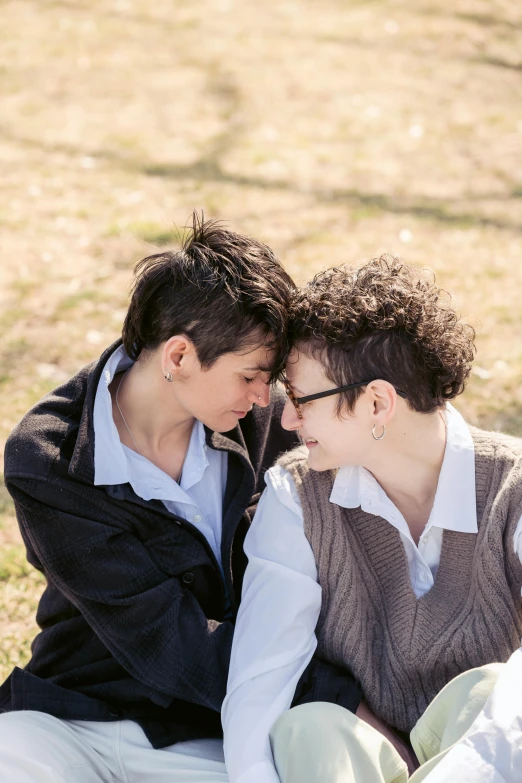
(275, 630)
(199, 496)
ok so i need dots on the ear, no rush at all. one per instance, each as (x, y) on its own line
(383, 401)
(178, 353)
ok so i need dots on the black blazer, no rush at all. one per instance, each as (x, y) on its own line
(134, 621)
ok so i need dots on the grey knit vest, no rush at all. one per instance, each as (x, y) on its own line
(403, 650)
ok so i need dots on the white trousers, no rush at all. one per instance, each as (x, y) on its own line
(39, 748)
(324, 743)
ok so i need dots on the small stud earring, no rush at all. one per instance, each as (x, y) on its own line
(259, 398)
(168, 377)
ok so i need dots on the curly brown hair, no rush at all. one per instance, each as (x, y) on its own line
(384, 320)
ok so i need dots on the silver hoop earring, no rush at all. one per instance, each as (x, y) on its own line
(168, 377)
(380, 437)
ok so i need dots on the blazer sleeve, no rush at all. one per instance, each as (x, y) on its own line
(152, 626)
(323, 681)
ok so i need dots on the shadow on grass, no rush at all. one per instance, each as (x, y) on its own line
(488, 20)
(209, 168)
(497, 62)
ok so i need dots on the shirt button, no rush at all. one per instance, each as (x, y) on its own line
(188, 578)
(197, 518)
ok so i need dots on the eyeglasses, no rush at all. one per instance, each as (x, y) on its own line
(298, 401)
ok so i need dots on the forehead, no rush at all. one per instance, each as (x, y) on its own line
(251, 359)
(303, 369)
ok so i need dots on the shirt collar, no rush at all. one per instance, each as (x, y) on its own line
(150, 482)
(113, 464)
(110, 463)
(454, 507)
(196, 461)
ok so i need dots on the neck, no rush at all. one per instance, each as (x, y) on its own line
(408, 467)
(159, 425)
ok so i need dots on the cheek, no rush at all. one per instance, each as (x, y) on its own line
(342, 437)
(327, 431)
(226, 396)
(203, 398)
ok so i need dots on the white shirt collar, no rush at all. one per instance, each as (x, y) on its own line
(454, 507)
(110, 464)
(114, 463)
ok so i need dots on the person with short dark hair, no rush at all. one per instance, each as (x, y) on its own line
(134, 484)
(393, 540)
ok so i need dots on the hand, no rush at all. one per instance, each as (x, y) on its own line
(403, 748)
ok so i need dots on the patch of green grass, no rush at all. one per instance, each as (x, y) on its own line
(149, 231)
(494, 273)
(13, 564)
(365, 211)
(10, 356)
(11, 314)
(153, 233)
(23, 286)
(20, 592)
(504, 313)
(70, 302)
(6, 504)
(15, 651)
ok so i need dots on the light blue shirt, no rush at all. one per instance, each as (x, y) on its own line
(199, 496)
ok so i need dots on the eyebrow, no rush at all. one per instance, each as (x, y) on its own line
(298, 390)
(258, 369)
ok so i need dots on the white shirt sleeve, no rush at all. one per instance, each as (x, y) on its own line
(275, 637)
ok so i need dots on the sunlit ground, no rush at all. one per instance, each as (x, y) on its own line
(334, 131)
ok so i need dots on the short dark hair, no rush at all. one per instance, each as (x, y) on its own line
(223, 290)
(388, 321)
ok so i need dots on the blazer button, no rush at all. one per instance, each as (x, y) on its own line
(188, 578)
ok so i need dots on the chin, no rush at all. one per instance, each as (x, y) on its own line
(224, 423)
(317, 463)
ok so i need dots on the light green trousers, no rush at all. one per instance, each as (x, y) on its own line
(324, 743)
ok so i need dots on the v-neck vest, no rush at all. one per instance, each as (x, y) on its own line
(404, 650)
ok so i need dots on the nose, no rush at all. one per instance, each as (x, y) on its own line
(260, 395)
(289, 419)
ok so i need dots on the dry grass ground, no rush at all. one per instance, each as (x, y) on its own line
(334, 131)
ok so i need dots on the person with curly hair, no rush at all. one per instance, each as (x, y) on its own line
(393, 541)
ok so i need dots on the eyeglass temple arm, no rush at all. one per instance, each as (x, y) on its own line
(320, 395)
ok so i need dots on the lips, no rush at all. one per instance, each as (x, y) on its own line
(310, 442)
